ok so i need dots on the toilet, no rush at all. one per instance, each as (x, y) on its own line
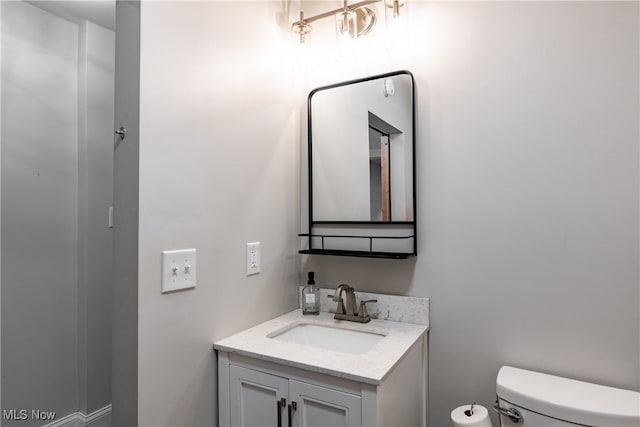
(532, 399)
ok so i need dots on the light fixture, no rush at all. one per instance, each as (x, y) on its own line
(396, 23)
(301, 28)
(346, 31)
(355, 21)
(346, 23)
(395, 6)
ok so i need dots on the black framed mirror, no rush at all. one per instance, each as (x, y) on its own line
(361, 164)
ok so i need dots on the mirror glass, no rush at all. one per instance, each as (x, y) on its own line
(361, 141)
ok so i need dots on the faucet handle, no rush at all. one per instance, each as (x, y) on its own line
(363, 307)
(340, 307)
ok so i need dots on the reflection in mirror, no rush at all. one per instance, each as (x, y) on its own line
(362, 169)
(381, 134)
(362, 148)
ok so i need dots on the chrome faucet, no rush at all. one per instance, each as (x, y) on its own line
(350, 311)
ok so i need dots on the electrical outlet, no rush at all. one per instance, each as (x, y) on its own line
(178, 270)
(253, 258)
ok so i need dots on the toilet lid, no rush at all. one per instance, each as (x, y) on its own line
(569, 400)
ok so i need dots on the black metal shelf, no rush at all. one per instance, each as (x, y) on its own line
(361, 254)
(385, 223)
(347, 252)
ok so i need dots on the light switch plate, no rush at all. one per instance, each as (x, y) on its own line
(178, 270)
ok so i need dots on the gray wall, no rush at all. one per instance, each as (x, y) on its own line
(95, 196)
(125, 192)
(57, 109)
(218, 169)
(527, 192)
(527, 158)
(39, 219)
(1, 37)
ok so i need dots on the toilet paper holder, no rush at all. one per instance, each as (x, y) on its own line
(469, 412)
(513, 414)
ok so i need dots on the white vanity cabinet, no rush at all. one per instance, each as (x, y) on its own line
(260, 399)
(261, 393)
(268, 378)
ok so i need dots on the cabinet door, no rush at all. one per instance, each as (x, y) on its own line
(322, 407)
(254, 398)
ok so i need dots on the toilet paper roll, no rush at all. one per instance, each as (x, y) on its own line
(461, 416)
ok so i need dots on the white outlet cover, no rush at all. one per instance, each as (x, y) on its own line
(253, 258)
(178, 270)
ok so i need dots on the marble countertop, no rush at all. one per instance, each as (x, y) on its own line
(371, 367)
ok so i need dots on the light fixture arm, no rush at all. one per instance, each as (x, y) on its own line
(334, 11)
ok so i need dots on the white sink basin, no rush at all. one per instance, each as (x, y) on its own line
(329, 337)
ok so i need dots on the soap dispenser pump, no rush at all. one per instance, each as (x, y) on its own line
(311, 296)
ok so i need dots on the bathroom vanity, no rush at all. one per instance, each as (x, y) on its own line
(298, 370)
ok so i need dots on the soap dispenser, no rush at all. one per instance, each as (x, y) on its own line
(311, 296)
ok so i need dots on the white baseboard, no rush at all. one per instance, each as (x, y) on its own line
(99, 418)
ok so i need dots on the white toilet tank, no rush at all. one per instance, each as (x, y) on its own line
(543, 400)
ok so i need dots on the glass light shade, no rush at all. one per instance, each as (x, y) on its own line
(302, 31)
(396, 17)
(346, 33)
(346, 24)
